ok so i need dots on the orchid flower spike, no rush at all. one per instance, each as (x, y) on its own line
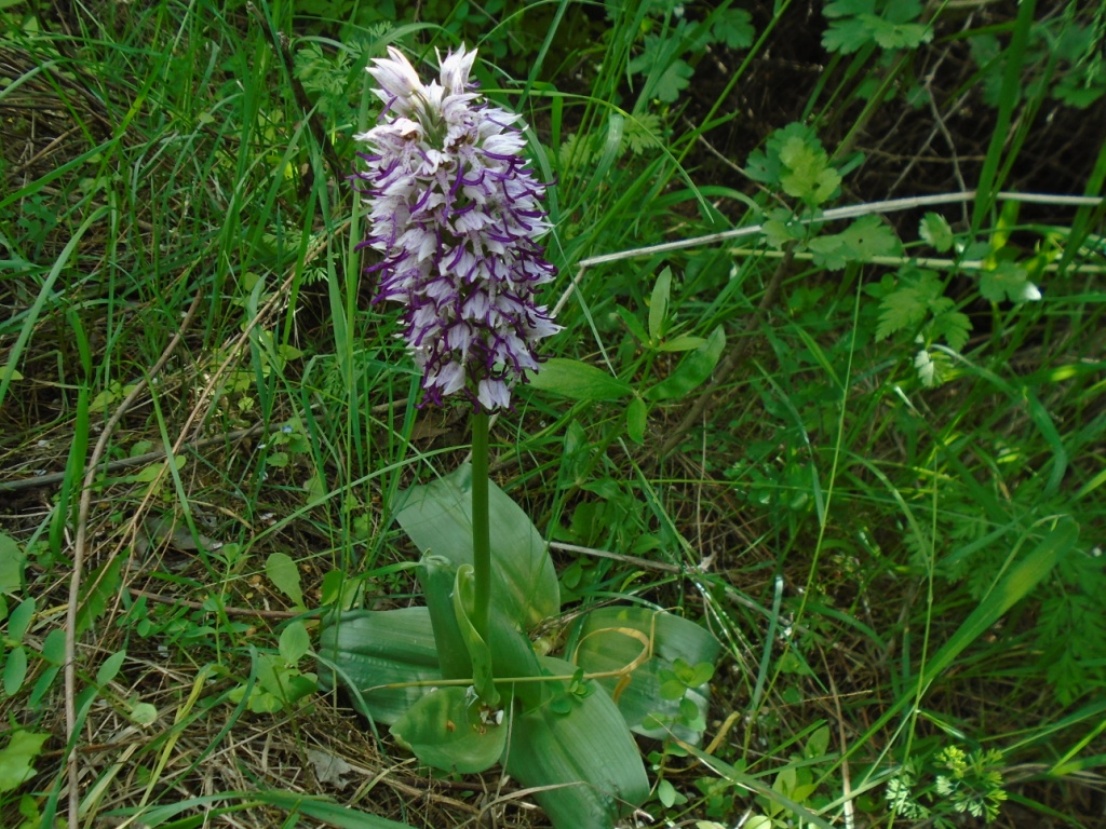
(455, 212)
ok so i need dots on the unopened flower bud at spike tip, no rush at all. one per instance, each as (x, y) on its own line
(455, 212)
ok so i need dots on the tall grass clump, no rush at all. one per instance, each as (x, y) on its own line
(829, 385)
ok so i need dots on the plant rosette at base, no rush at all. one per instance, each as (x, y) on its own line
(562, 725)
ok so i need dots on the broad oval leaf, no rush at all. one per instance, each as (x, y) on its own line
(648, 645)
(438, 518)
(364, 650)
(452, 730)
(584, 762)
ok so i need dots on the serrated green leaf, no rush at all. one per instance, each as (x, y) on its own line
(829, 252)
(12, 564)
(285, 576)
(734, 27)
(673, 81)
(889, 35)
(849, 8)
(934, 230)
(17, 759)
(295, 642)
(955, 327)
(579, 381)
(907, 306)
(809, 176)
(1008, 281)
(869, 237)
(845, 36)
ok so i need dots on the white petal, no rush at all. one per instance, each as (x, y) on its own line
(493, 394)
(395, 74)
(455, 70)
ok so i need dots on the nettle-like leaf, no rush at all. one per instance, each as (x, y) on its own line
(734, 27)
(1008, 281)
(889, 24)
(666, 75)
(934, 230)
(919, 294)
(794, 160)
(863, 240)
(808, 174)
(672, 81)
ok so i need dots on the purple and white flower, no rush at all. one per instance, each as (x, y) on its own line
(456, 213)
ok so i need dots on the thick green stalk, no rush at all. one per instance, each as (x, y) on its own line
(481, 530)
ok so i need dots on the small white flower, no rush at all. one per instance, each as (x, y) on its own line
(1030, 292)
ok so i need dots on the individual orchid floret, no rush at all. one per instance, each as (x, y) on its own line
(455, 212)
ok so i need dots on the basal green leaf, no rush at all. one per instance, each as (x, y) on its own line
(437, 517)
(655, 659)
(583, 762)
(367, 649)
(452, 730)
(464, 602)
(438, 575)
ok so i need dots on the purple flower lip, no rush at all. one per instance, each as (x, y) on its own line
(455, 212)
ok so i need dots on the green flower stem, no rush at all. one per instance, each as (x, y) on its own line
(481, 527)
